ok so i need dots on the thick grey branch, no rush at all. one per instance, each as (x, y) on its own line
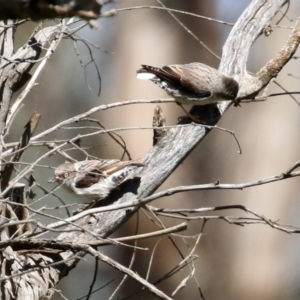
(274, 66)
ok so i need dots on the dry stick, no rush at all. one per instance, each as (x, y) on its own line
(33, 269)
(97, 69)
(60, 152)
(172, 241)
(50, 31)
(168, 275)
(169, 192)
(247, 221)
(102, 131)
(175, 11)
(112, 135)
(183, 262)
(192, 218)
(158, 222)
(48, 192)
(91, 111)
(60, 245)
(148, 271)
(7, 39)
(131, 261)
(105, 259)
(8, 169)
(288, 172)
(191, 33)
(241, 221)
(80, 149)
(124, 277)
(30, 168)
(170, 213)
(175, 270)
(265, 98)
(94, 279)
(61, 295)
(185, 280)
(217, 185)
(7, 75)
(127, 271)
(189, 259)
(28, 132)
(100, 288)
(10, 223)
(174, 244)
(13, 24)
(78, 227)
(286, 92)
(96, 109)
(52, 144)
(151, 259)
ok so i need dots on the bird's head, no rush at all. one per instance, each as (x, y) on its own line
(63, 172)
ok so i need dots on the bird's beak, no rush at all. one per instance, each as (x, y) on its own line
(54, 179)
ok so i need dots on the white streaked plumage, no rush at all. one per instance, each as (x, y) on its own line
(94, 178)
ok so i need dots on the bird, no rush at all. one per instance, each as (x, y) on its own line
(193, 83)
(94, 178)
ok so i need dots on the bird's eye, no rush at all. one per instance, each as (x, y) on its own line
(66, 175)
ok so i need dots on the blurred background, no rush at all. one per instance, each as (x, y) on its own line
(250, 262)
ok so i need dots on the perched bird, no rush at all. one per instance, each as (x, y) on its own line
(193, 84)
(94, 178)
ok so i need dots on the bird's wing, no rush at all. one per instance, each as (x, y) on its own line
(148, 72)
(189, 79)
(91, 171)
(111, 166)
(88, 179)
(182, 77)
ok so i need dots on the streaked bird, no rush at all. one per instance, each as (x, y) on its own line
(94, 178)
(193, 84)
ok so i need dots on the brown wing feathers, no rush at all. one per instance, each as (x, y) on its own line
(103, 169)
(89, 179)
(164, 73)
(112, 168)
(186, 81)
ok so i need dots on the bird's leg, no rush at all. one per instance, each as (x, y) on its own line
(188, 115)
(237, 103)
(92, 204)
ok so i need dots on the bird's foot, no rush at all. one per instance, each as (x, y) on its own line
(237, 103)
(191, 117)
